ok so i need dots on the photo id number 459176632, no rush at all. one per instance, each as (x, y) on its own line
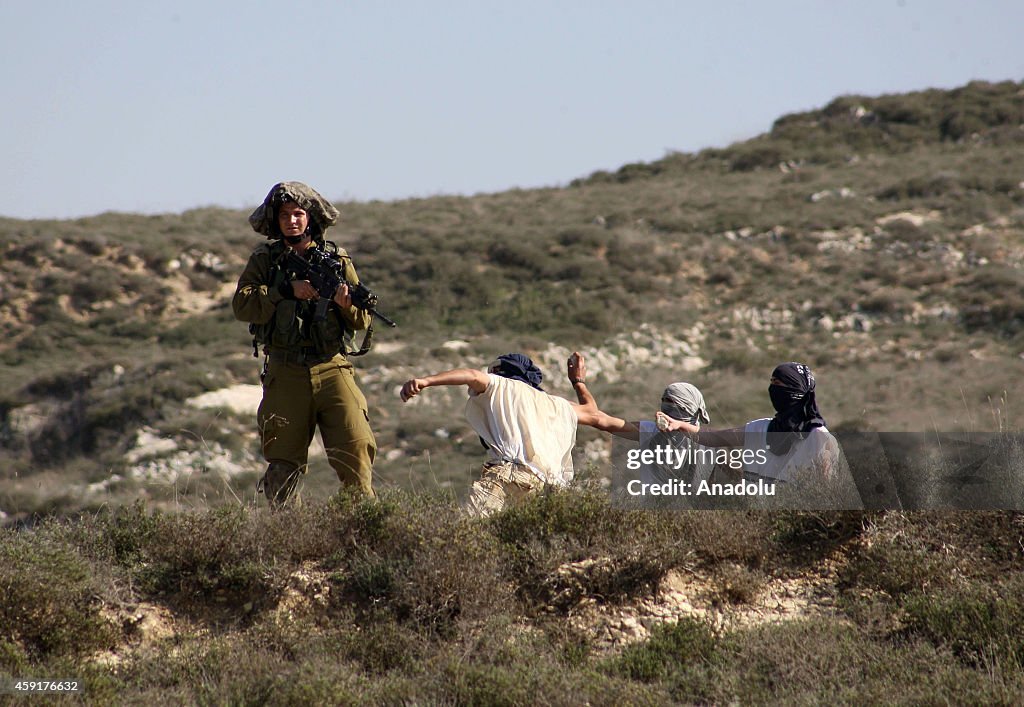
(20, 686)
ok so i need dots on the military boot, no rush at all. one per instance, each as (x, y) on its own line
(279, 483)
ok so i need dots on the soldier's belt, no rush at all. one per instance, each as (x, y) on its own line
(305, 357)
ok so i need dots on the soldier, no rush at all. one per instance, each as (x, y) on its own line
(307, 380)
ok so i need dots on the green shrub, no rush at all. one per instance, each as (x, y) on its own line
(899, 566)
(980, 623)
(992, 299)
(197, 556)
(621, 552)
(756, 158)
(416, 558)
(799, 530)
(51, 598)
(383, 645)
(117, 535)
(670, 648)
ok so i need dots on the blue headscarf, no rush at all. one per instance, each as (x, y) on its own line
(518, 367)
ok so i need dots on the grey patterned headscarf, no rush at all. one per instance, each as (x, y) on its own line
(684, 401)
(321, 212)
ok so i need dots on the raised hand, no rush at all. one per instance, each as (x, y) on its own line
(576, 367)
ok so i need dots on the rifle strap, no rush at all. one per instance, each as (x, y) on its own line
(367, 343)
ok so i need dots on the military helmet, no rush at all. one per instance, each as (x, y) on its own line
(322, 215)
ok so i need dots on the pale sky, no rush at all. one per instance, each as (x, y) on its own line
(154, 107)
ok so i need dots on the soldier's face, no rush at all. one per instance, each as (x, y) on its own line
(292, 219)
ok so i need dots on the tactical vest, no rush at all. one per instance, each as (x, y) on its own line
(292, 328)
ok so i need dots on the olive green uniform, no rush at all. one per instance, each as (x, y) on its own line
(308, 381)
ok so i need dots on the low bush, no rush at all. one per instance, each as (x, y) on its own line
(899, 565)
(415, 558)
(670, 648)
(52, 599)
(980, 623)
(198, 556)
(617, 553)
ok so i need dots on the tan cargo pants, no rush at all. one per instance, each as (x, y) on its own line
(297, 399)
(501, 484)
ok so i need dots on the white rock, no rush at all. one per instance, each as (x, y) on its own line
(242, 399)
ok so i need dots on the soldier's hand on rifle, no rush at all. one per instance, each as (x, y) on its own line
(342, 297)
(303, 290)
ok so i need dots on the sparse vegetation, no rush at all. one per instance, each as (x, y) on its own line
(878, 239)
(405, 598)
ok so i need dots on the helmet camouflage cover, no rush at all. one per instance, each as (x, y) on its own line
(264, 218)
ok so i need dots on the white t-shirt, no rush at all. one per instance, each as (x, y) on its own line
(654, 474)
(814, 469)
(522, 424)
(818, 451)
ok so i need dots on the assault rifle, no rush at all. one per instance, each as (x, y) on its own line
(326, 275)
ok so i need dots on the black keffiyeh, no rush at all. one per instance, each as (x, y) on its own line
(796, 410)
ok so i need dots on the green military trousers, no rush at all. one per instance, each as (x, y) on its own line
(298, 398)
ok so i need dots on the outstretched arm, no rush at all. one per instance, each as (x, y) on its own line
(606, 423)
(476, 380)
(587, 411)
(701, 435)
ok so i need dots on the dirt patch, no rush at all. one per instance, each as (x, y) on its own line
(143, 626)
(306, 591)
(693, 594)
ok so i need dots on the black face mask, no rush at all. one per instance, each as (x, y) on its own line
(783, 398)
(796, 415)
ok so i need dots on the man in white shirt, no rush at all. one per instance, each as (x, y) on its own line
(528, 433)
(794, 447)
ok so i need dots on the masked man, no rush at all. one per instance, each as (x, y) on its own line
(529, 434)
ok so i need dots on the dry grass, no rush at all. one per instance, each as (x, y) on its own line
(878, 239)
(405, 599)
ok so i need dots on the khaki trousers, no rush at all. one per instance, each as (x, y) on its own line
(297, 399)
(501, 484)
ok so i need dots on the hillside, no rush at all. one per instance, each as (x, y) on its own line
(561, 601)
(879, 239)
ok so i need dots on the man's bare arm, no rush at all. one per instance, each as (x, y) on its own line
(576, 370)
(606, 423)
(476, 380)
(701, 435)
(587, 411)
